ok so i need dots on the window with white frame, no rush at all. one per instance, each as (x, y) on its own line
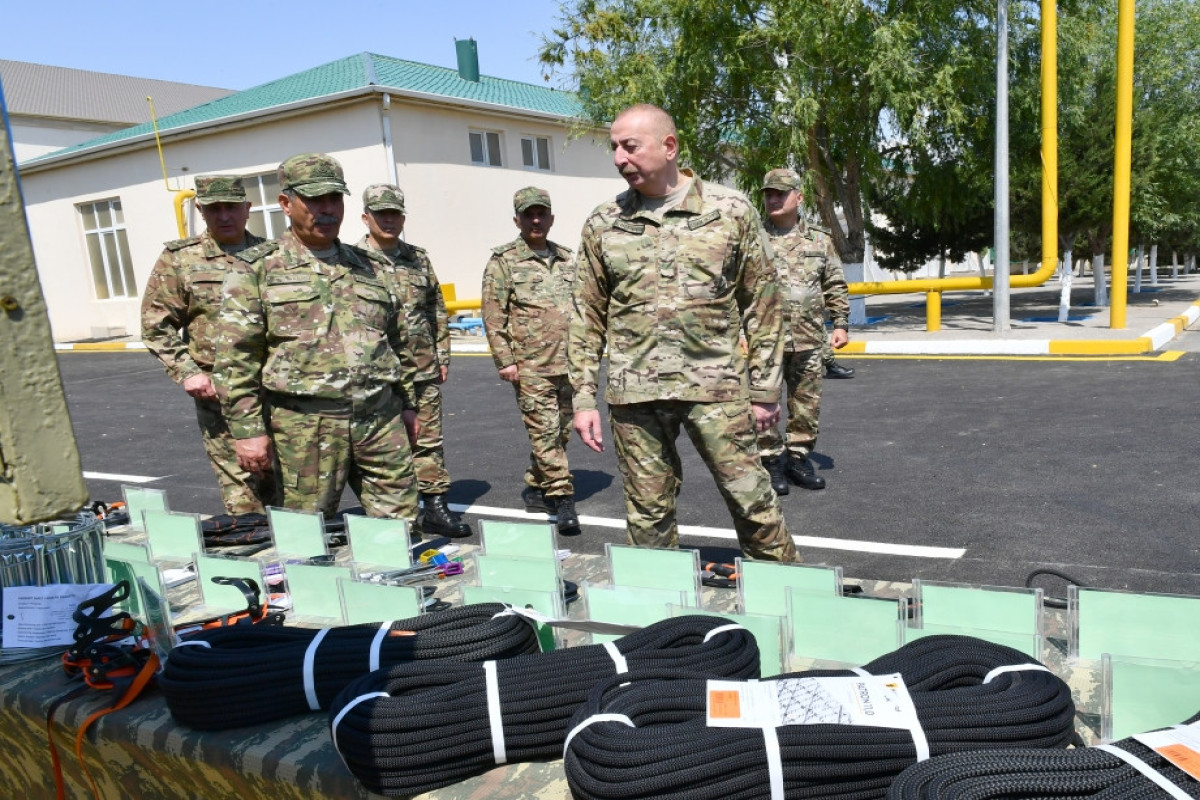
(108, 249)
(535, 152)
(485, 148)
(266, 217)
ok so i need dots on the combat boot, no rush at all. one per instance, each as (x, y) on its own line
(779, 481)
(535, 501)
(800, 470)
(564, 510)
(438, 520)
(835, 370)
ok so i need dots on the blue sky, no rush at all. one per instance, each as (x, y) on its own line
(236, 45)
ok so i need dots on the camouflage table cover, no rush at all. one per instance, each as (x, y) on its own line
(141, 752)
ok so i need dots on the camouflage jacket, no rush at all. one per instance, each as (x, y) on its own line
(671, 295)
(811, 282)
(179, 307)
(527, 307)
(292, 324)
(424, 307)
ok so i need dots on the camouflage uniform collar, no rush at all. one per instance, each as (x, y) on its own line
(526, 253)
(301, 252)
(800, 228)
(212, 248)
(692, 203)
(403, 248)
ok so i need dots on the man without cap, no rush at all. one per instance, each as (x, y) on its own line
(669, 275)
(810, 277)
(310, 328)
(526, 299)
(179, 311)
(428, 349)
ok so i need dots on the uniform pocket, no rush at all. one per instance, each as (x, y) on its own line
(293, 308)
(374, 305)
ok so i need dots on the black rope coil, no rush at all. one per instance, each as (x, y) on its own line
(671, 753)
(249, 674)
(1042, 775)
(431, 727)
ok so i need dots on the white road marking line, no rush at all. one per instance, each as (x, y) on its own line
(108, 476)
(855, 545)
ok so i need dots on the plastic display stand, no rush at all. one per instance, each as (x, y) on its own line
(847, 630)
(763, 585)
(656, 568)
(297, 534)
(628, 605)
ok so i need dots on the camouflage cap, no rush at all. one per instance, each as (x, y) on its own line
(312, 175)
(219, 189)
(530, 196)
(781, 179)
(383, 197)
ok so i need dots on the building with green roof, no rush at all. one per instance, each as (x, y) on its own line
(457, 142)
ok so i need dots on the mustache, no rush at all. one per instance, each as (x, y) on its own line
(326, 219)
(629, 171)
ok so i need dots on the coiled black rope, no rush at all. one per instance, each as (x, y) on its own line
(424, 726)
(246, 675)
(1086, 772)
(672, 754)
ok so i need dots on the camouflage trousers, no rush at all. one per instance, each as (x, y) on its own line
(546, 410)
(644, 435)
(803, 375)
(241, 492)
(320, 452)
(429, 459)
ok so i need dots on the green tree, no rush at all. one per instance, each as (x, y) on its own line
(756, 84)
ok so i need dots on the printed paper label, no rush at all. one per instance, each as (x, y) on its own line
(1180, 746)
(40, 616)
(880, 701)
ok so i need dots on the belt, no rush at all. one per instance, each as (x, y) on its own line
(328, 407)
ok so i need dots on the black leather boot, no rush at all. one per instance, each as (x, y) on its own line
(800, 470)
(835, 370)
(438, 520)
(564, 510)
(535, 501)
(779, 481)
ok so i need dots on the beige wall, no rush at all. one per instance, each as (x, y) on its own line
(456, 210)
(34, 136)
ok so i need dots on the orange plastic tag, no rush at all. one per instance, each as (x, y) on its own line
(1183, 757)
(724, 704)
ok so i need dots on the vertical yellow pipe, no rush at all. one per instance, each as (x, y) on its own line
(933, 311)
(1121, 165)
(1049, 136)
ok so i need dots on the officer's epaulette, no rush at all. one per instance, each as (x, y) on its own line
(252, 254)
(564, 250)
(179, 244)
(504, 248)
(820, 228)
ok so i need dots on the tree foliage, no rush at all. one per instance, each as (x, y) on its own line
(888, 105)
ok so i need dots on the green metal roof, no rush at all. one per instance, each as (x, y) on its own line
(346, 75)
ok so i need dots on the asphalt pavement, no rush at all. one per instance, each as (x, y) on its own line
(976, 470)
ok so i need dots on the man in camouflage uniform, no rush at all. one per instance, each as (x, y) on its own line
(669, 274)
(310, 329)
(428, 348)
(526, 299)
(810, 277)
(179, 311)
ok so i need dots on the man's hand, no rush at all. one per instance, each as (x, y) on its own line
(766, 415)
(200, 386)
(255, 455)
(838, 338)
(443, 372)
(510, 373)
(587, 425)
(409, 415)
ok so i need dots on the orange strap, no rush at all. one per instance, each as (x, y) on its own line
(140, 681)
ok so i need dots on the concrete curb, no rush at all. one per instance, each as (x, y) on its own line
(99, 346)
(1152, 340)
